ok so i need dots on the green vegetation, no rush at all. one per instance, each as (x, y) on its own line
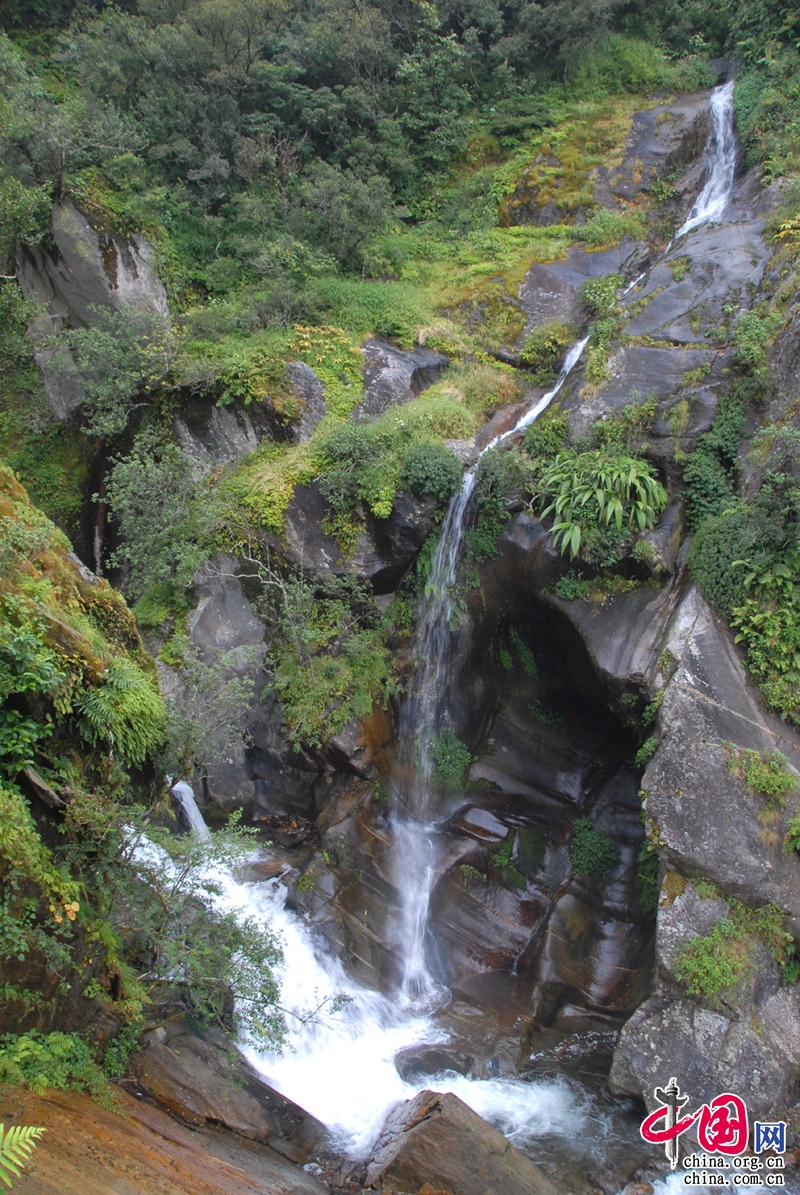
(16, 1146)
(471, 876)
(592, 852)
(596, 490)
(646, 752)
(707, 966)
(135, 933)
(509, 874)
(572, 587)
(543, 350)
(451, 759)
(768, 775)
(647, 869)
(54, 1060)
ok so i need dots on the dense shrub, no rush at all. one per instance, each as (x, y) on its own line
(708, 965)
(55, 1060)
(545, 438)
(718, 544)
(451, 759)
(592, 852)
(599, 490)
(544, 348)
(432, 470)
(708, 477)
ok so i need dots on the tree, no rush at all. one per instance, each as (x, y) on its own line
(122, 356)
(162, 511)
(340, 212)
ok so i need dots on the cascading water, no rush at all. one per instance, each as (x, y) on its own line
(339, 1063)
(720, 156)
(421, 718)
(184, 795)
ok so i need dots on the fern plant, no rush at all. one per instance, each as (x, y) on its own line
(599, 488)
(125, 710)
(16, 1146)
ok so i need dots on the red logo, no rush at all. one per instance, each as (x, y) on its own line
(721, 1125)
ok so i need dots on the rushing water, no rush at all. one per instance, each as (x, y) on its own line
(339, 1063)
(720, 156)
(184, 795)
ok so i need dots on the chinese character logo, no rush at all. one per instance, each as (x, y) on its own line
(769, 1136)
(721, 1125)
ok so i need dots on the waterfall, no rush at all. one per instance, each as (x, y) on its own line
(422, 716)
(184, 794)
(720, 154)
(338, 1062)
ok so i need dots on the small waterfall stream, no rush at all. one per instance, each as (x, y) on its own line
(421, 717)
(339, 1063)
(720, 154)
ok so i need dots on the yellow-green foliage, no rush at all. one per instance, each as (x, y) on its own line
(265, 482)
(590, 136)
(24, 854)
(100, 670)
(336, 358)
(454, 408)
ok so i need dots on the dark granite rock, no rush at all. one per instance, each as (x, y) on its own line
(310, 391)
(745, 1040)
(393, 375)
(86, 268)
(423, 1141)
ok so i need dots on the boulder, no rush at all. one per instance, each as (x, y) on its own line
(550, 292)
(223, 621)
(198, 1080)
(309, 389)
(385, 550)
(704, 816)
(424, 1141)
(224, 437)
(87, 267)
(393, 375)
(746, 1040)
(139, 1149)
(624, 632)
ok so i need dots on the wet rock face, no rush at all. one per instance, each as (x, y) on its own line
(197, 1080)
(140, 1149)
(506, 896)
(393, 375)
(422, 1141)
(550, 292)
(676, 332)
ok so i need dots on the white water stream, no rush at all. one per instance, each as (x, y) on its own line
(720, 153)
(421, 717)
(339, 1064)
